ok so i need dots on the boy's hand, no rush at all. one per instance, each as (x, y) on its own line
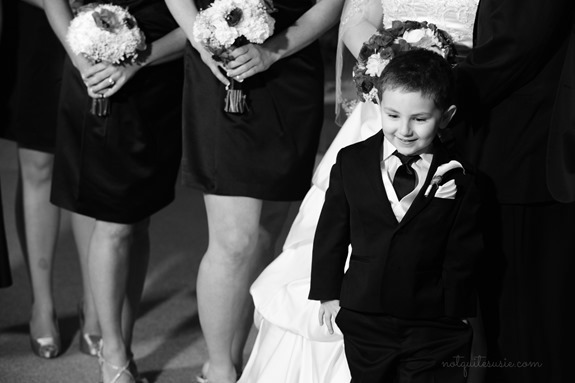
(327, 313)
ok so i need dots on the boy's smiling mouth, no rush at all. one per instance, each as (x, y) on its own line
(406, 140)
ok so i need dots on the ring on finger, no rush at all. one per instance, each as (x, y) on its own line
(111, 82)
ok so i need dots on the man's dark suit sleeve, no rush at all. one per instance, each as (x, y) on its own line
(463, 252)
(331, 242)
(514, 42)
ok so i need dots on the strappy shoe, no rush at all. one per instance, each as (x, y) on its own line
(124, 370)
(90, 344)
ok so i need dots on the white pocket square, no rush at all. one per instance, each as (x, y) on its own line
(447, 190)
(450, 191)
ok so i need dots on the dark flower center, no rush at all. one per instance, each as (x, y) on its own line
(234, 17)
(107, 20)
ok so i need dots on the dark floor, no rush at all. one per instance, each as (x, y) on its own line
(168, 343)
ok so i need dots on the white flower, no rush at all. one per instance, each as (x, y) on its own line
(424, 38)
(97, 44)
(413, 36)
(375, 65)
(449, 189)
(213, 30)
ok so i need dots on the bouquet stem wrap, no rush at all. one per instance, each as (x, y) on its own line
(235, 101)
(100, 107)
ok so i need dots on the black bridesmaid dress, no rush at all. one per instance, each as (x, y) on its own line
(38, 76)
(122, 168)
(268, 152)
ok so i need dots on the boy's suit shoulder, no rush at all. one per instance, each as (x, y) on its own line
(374, 141)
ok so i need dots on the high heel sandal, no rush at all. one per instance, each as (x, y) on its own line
(90, 344)
(123, 370)
(47, 347)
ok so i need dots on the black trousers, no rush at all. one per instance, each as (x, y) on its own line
(526, 293)
(386, 349)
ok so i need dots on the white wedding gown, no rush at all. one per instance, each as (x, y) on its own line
(291, 346)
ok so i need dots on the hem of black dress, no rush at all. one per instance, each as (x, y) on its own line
(113, 218)
(250, 193)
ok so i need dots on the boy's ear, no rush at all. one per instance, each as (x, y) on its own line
(447, 116)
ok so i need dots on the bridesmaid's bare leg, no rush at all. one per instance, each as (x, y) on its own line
(109, 267)
(227, 269)
(139, 260)
(37, 222)
(83, 227)
(272, 220)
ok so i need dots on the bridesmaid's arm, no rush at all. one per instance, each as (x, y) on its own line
(167, 48)
(105, 79)
(111, 79)
(59, 16)
(185, 12)
(251, 59)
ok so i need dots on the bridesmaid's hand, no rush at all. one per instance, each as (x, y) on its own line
(87, 70)
(249, 60)
(212, 64)
(110, 79)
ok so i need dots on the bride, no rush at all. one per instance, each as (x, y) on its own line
(291, 346)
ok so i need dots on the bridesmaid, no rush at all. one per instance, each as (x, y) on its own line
(119, 169)
(249, 166)
(40, 56)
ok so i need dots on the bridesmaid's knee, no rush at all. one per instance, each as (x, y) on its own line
(235, 245)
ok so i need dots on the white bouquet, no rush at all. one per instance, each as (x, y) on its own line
(105, 32)
(233, 23)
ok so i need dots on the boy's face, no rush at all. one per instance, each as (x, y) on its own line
(410, 120)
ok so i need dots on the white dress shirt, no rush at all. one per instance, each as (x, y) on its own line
(389, 165)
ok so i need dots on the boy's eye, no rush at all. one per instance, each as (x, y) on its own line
(391, 115)
(420, 119)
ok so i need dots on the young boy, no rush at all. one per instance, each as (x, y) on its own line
(415, 237)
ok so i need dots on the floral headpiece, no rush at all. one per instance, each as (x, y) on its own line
(384, 45)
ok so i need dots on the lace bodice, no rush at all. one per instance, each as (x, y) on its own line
(456, 17)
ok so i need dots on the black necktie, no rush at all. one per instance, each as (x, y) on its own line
(404, 180)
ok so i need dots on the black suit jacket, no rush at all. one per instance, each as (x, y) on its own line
(517, 88)
(422, 267)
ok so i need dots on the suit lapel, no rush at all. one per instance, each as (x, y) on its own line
(440, 156)
(371, 157)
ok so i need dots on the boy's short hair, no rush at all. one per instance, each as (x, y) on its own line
(420, 70)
